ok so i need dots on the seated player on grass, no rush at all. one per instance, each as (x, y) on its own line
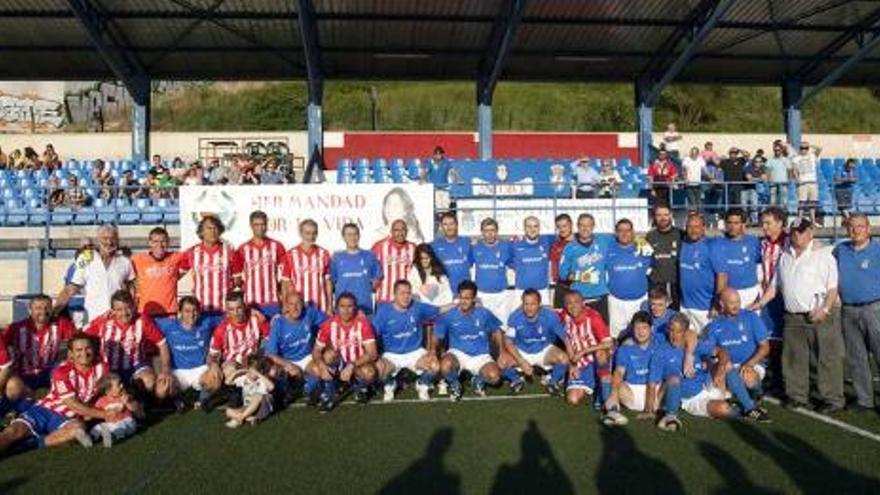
(744, 336)
(189, 337)
(702, 394)
(126, 338)
(235, 339)
(403, 325)
(467, 330)
(588, 347)
(58, 418)
(532, 331)
(345, 350)
(629, 382)
(289, 348)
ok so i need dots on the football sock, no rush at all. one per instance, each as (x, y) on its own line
(510, 374)
(426, 378)
(737, 387)
(672, 399)
(311, 384)
(557, 374)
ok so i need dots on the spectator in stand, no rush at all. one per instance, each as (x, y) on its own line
(437, 171)
(804, 164)
(271, 174)
(662, 174)
(587, 179)
(98, 172)
(709, 155)
(51, 161)
(694, 168)
(167, 185)
(54, 192)
(193, 175)
(3, 159)
(671, 139)
(843, 187)
(31, 159)
(217, 172)
(756, 192)
(157, 162)
(734, 168)
(74, 196)
(779, 173)
(714, 190)
(128, 187)
(609, 179)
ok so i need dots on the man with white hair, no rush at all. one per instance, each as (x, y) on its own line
(98, 277)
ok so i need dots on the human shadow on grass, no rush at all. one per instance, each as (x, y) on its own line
(626, 469)
(736, 479)
(428, 474)
(810, 469)
(11, 485)
(537, 471)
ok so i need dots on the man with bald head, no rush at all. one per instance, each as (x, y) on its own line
(742, 334)
(395, 255)
(289, 346)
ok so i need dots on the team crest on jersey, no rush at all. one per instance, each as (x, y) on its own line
(865, 264)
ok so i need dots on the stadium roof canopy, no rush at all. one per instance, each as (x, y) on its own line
(751, 41)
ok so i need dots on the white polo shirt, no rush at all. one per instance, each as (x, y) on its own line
(98, 282)
(806, 279)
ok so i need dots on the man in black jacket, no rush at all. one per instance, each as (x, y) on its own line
(665, 241)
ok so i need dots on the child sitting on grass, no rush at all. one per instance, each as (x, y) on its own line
(115, 398)
(256, 392)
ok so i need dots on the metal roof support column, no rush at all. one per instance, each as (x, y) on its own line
(315, 80)
(500, 43)
(140, 120)
(792, 91)
(644, 120)
(34, 268)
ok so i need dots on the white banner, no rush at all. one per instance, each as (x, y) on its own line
(373, 207)
(510, 213)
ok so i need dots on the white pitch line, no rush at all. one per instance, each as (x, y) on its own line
(435, 400)
(829, 420)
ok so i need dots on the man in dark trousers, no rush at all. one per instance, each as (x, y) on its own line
(665, 241)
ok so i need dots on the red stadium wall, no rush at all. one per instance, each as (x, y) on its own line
(464, 145)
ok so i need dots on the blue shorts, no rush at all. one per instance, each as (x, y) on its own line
(269, 310)
(17, 406)
(42, 421)
(584, 380)
(41, 380)
(772, 316)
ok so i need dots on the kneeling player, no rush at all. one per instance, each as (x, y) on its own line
(346, 349)
(531, 332)
(235, 339)
(188, 337)
(467, 330)
(289, 347)
(588, 346)
(399, 325)
(629, 382)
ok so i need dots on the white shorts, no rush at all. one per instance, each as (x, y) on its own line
(119, 429)
(759, 370)
(620, 312)
(698, 405)
(302, 363)
(699, 319)
(538, 358)
(472, 364)
(189, 379)
(404, 361)
(639, 394)
(807, 191)
(749, 295)
(501, 304)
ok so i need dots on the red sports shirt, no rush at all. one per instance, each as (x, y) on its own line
(396, 261)
(237, 341)
(588, 330)
(69, 382)
(213, 269)
(124, 345)
(260, 266)
(309, 271)
(36, 350)
(348, 339)
(555, 256)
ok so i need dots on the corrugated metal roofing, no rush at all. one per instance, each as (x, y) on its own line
(757, 41)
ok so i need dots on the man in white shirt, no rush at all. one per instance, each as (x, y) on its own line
(807, 277)
(98, 275)
(805, 165)
(587, 179)
(693, 166)
(671, 139)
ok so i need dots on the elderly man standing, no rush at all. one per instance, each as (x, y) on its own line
(99, 277)
(807, 277)
(858, 261)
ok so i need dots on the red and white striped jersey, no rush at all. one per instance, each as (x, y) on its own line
(124, 345)
(771, 251)
(588, 330)
(348, 339)
(69, 382)
(36, 350)
(237, 341)
(396, 261)
(309, 271)
(213, 268)
(260, 266)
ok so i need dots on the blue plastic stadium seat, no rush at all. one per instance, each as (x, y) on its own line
(152, 213)
(87, 215)
(105, 213)
(130, 214)
(171, 211)
(16, 213)
(9, 193)
(61, 216)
